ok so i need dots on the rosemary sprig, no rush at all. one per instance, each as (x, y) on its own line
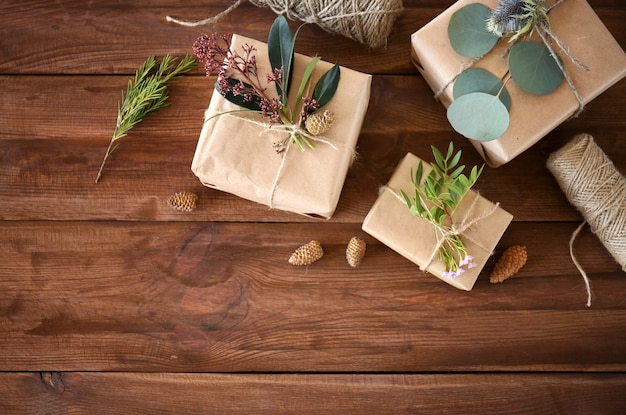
(144, 95)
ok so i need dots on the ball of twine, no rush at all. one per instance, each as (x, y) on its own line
(367, 21)
(597, 189)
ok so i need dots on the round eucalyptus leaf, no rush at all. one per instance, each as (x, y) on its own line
(479, 80)
(468, 32)
(479, 116)
(534, 69)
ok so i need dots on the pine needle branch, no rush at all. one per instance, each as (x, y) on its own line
(146, 93)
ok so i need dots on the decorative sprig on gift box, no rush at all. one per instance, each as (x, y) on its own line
(239, 81)
(481, 105)
(145, 94)
(437, 197)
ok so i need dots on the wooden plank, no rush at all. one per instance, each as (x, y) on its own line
(115, 37)
(221, 297)
(114, 393)
(50, 158)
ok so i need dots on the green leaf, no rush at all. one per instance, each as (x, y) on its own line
(456, 189)
(534, 69)
(479, 80)
(456, 172)
(327, 86)
(437, 213)
(478, 116)
(438, 159)
(239, 99)
(468, 32)
(305, 78)
(450, 150)
(431, 193)
(406, 198)
(462, 179)
(436, 169)
(455, 160)
(281, 53)
(418, 205)
(419, 173)
(439, 185)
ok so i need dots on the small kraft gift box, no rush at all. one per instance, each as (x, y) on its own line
(479, 222)
(532, 117)
(236, 152)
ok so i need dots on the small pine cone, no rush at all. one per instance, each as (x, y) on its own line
(355, 251)
(307, 254)
(511, 261)
(183, 201)
(319, 122)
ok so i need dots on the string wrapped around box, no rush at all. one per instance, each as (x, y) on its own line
(367, 21)
(597, 189)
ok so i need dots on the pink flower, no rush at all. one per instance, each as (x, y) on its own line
(466, 260)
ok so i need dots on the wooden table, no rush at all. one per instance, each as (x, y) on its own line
(112, 302)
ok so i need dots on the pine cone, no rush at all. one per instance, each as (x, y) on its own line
(307, 254)
(319, 122)
(511, 261)
(355, 251)
(183, 201)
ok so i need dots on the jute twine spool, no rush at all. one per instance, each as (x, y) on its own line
(366, 21)
(597, 189)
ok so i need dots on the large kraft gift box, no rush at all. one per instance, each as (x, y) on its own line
(235, 153)
(532, 117)
(390, 221)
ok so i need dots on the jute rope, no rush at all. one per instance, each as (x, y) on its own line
(597, 189)
(367, 21)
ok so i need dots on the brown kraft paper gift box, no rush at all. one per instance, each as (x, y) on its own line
(532, 117)
(390, 221)
(236, 154)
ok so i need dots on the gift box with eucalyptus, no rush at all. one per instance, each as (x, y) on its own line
(433, 219)
(281, 127)
(543, 59)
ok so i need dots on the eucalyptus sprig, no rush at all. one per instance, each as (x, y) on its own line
(239, 81)
(437, 196)
(481, 105)
(146, 93)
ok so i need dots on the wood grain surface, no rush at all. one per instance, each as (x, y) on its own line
(112, 302)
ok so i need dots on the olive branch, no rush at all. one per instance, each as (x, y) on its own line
(437, 197)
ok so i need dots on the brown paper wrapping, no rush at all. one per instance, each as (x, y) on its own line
(390, 221)
(236, 155)
(532, 117)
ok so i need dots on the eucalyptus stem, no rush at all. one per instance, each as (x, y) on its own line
(145, 94)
